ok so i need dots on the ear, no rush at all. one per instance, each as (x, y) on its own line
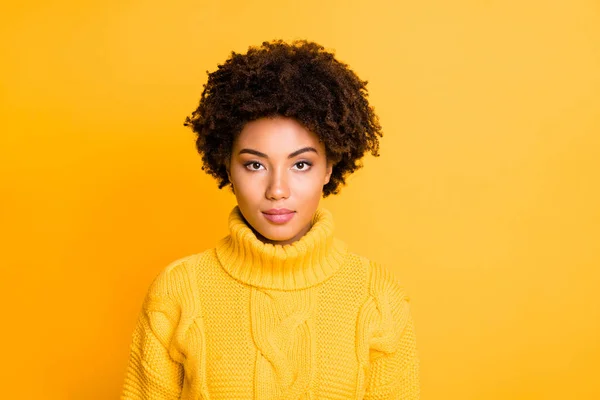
(227, 166)
(229, 177)
(328, 172)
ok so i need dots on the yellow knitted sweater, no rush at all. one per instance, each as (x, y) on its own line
(252, 320)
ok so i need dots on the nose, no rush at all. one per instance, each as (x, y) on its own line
(278, 187)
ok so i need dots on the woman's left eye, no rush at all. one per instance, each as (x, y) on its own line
(302, 165)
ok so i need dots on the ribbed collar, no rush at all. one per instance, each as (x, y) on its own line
(307, 262)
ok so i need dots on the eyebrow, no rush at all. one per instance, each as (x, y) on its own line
(292, 155)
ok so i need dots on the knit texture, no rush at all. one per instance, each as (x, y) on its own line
(252, 320)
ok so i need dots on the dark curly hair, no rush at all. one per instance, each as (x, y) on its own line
(300, 80)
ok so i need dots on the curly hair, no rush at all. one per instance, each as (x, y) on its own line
(300, 80)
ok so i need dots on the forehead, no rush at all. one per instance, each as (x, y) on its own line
(276, 134)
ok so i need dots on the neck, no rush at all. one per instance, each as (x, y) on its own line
(279, 242)
(305, 262)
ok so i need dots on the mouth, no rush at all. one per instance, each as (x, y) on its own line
(279, 216)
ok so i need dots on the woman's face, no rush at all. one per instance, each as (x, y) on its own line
(278, 169)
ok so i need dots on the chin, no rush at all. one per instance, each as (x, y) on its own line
(277, 234)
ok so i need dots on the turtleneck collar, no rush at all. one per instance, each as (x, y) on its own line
(304, 263)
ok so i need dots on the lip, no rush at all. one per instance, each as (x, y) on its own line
(277, 211)
(279, 215)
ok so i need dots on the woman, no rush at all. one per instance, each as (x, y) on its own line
(280, 308)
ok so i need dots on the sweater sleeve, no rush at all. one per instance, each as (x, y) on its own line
(155, 370)
(393, 357)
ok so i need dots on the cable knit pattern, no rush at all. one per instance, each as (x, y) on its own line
(387, 341)
(252, 320)
(169, 328)
(284, 336)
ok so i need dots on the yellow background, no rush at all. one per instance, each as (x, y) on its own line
(485, 200)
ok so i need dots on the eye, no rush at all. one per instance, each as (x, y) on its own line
(302, 165)
(253, 165)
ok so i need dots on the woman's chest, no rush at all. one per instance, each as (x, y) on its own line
(262, 344)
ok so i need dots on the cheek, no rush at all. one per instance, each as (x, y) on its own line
(315, 179)
(309, 188)
(247, 186)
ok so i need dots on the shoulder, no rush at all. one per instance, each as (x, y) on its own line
(383, 282)
(390, 298)
(176, 281)
(170, 276)
(380, 279)
(386, 311)
(171, 306)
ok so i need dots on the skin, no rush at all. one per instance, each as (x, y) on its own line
(272, 166)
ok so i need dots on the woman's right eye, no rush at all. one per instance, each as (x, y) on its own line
(253, 166)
